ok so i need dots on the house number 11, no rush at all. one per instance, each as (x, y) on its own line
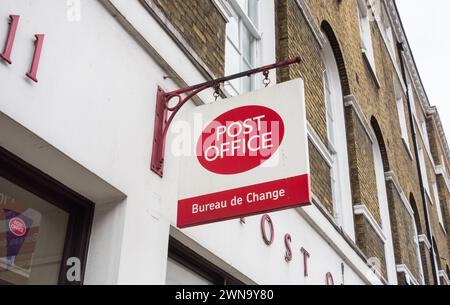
(6, 55)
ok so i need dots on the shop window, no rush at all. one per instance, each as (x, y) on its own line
(186, 267)
(179, 274)
(42, 225)
(241, 44)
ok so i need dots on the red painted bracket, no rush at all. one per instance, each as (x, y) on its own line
(158, 142)
(164, 114)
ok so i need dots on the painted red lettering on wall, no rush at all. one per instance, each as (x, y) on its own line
(306, 256)
(266, 219)
(36, 57)
(329, 279)
(6, 55)
(288, 256)
(287, 242)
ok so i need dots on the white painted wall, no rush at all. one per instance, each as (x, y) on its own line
(95, 102)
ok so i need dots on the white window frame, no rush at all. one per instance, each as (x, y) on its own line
(436, 267)
(417, 246)
(236, 87)
(438, 204)
(331, 127)
(423, 129)
(410, 89)
(424, 173)
(336, 130)
(401, 113)
(419, 256)
(444, 275)
(388, 31)
(384, 213)
(366, 34)
(409, 277)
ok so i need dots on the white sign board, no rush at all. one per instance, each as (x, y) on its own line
(251, 157)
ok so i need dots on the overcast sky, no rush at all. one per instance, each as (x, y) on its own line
(427, 25)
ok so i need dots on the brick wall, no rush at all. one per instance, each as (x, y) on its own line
(426, 264)
(369, 242)
(202, 26)
(444, 237)
(320, 178)
(379, 103)
(402, 232)
(362, 171)
(295, 39)
(434, 141)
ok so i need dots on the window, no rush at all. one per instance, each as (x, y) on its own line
(43, 225)
(437, 260)
(438, 202)
(423, 127)
(34, 257)
(401, 113)
(416, 225)
(178, 274)
(241, 44)
(331, 138)
(388, 32)
(411, 94)
(185, 267)
(384, 212)
(337, 141)
(423, 170)
(366, 36)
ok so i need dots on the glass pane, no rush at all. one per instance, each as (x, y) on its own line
(177, 274)
(244, 6)
(247, 43)
(328, 102)
(32, 235)
(329, 108)
(232, 63)
(232, 59)
(331, 136)
(402, 118)
(411, 97)
(233, 30)
(246, 81)
(253, 11)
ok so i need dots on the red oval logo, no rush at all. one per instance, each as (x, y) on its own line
(240, 140)
(17, 227)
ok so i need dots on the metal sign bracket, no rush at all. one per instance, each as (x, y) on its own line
(164, 113)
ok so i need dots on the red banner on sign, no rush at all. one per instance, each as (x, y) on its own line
(244, 201)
